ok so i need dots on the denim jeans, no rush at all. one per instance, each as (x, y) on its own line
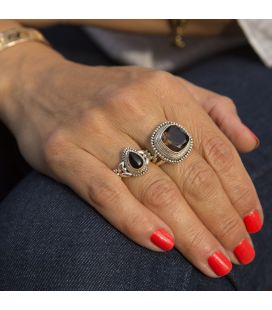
(50, 239)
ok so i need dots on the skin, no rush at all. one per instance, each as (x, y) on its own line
(72, 120)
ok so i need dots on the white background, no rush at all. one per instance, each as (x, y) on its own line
(135, 9)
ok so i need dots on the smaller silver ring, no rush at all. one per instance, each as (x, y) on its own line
(133, 163)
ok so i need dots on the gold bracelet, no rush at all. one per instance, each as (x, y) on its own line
(17, 35)
(177, 28)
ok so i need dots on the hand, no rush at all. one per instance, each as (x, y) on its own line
(71, 121)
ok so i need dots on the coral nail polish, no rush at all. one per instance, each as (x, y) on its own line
(256, 139)
(244, 252)
(254, 136)
(162, 239)
(220, 264)
(253, 222)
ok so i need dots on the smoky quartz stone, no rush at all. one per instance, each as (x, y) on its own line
(175, 138)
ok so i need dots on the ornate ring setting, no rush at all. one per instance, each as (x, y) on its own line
(133, 163)
(170, 142)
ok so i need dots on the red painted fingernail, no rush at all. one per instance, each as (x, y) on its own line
(253, 222)
(220, 264)
(162, 239)
(244, 252)
(254, 136)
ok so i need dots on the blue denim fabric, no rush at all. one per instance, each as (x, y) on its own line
(52, 240)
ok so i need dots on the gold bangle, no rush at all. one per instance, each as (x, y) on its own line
(17, 35)
(177, 28)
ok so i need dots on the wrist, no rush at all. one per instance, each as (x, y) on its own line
(21, 66)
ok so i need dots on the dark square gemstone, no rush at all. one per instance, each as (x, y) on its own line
(175, 138)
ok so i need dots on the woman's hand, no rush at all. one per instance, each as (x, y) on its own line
(71, 121)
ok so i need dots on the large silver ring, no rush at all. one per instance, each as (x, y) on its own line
(133, 163)
(170, 142)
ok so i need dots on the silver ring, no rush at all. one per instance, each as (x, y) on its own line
(170, 142)
(133, 163)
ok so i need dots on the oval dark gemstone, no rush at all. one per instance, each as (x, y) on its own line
(175, 138)
(135, 160)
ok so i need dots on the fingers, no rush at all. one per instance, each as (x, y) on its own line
(236, 181)
(105, 191)
(203, 191)
(224, 113)
(161, 195)
(221, 156)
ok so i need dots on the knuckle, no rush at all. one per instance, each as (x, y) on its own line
(155, 75)
(158, 77)
(242, 195)
(103, 194)
(196, 237)
(127, 226)
(161, 193)
(120, 97)
(230, 226)
(126, 98)
(92, 119)
(220, 153)
(130, 225)
(228, 102)
(200, 181)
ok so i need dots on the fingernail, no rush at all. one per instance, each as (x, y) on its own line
(244, 252)
(220, 264)
(254, 136)
(162, 239)
(253, 222)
